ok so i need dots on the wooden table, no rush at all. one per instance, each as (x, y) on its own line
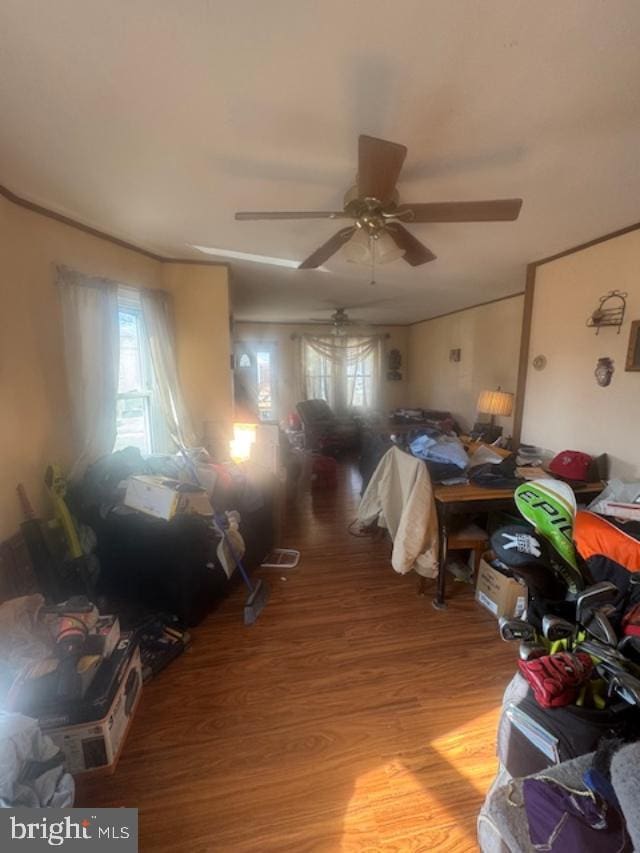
(468, 499)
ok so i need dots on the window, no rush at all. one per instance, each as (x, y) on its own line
(265, 386)
(319, 373)
(255, 379)
(361, 377)
(342, 371)
(138, 420)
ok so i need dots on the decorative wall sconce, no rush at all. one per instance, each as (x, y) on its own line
(604, 371)
(610, 311)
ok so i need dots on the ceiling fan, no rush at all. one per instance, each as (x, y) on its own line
(374, 206)
(339, 320)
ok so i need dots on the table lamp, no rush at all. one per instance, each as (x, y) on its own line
(493, 403)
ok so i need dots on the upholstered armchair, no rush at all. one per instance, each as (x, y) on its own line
(323, 430)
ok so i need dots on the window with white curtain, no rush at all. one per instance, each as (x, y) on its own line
(344, 371)
(320, 380)
(361, 380)
(139, 421)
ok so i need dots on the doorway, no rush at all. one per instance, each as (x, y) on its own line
(254, 379)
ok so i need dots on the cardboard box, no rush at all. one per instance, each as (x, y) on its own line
(163, 498)
(501, 595)
(96, 745)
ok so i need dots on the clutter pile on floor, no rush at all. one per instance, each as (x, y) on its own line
(570, 723)
(77, 675)
(136, 554)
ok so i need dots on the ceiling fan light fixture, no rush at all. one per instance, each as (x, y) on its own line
(362, 248)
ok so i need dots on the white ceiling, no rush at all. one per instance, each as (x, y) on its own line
(155, 120)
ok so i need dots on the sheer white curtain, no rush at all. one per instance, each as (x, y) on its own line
(318, 369)
(92, 355)
(344, 371)
(158, 327)
(362, 372)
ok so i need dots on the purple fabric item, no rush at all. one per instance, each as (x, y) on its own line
(561, 821)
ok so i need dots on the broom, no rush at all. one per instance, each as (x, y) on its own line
(258, 591)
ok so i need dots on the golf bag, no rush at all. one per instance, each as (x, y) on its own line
(610, 550)
(532, 738)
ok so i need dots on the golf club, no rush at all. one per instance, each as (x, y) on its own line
(530, 651)
(556, 628)
(630, 648)
(597, 624)
(620, 683)
(608, 656)
(516, 629)
(595, 596)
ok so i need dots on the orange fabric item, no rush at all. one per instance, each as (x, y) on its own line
(594, 536)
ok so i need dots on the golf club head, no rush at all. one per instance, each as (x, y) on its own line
(516, 629)
(622, 684)
(530, 651)
(608, 656)
(555, 628)
(630, 648)
(597, 625)
(595, 596)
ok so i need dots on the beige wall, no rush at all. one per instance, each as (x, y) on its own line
(564, 407)
(35, 421)
(203, 342)
(392, 393)
(489, 339)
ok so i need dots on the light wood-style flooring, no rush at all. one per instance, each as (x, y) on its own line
(351, 717)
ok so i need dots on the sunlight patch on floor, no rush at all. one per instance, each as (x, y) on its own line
(469, 749)
(391, 808)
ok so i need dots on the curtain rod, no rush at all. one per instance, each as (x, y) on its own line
(294, 336)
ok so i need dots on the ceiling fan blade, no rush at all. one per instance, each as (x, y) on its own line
(243, 215)
(415, 252)
(379, 165)
(327, 249)
(500, 209)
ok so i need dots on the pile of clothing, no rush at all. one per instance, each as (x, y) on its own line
(448, 461)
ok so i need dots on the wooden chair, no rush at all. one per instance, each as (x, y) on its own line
(469, 538)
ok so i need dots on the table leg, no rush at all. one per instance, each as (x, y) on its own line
(438, 602)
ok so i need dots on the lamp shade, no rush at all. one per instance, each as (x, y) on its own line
(361, 246)
(495, 402)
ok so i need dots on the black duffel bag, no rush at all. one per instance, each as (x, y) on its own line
(532, 738)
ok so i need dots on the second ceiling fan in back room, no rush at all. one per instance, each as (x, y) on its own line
(378, 233)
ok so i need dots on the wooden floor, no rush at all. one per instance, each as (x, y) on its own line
(352, 717)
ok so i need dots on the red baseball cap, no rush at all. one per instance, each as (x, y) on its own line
(571, 465)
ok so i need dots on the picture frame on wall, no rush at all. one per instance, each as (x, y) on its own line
(633, 350)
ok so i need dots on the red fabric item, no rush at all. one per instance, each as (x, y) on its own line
(571, 465)
(631, 622)
(324, 472)
(555, 679)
